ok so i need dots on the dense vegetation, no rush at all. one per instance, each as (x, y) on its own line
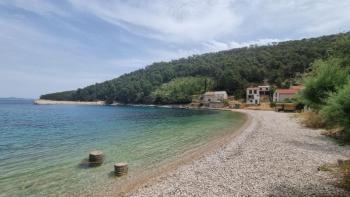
(326, 77)
(327, 87)
(231, 70)
(180, 90)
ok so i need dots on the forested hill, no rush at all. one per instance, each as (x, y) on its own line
(231, 70)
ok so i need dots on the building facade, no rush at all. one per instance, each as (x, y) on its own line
(256, 95)
(214, 99)
(253, 96)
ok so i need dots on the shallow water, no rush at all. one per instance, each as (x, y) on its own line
(41, 146)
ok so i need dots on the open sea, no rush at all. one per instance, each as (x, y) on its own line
(42, 146)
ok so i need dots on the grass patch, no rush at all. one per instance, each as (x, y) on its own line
(315, 121)
(325, 168)
(312, 120)
(339, 135)
(344, 170)
(341, 170)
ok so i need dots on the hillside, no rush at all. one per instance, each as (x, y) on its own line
(231, 70)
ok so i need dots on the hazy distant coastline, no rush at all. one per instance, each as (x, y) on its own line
(51, 102)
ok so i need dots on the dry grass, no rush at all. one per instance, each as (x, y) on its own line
(345, 173)
(315, 121)
(325, 168)
(336, 133)
(312, 120)
(341, 170)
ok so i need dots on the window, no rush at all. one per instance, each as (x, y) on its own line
(255, 91)
(250, 91)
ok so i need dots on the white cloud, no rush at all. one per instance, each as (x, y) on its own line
(182, 20)
(304, 18)
(213, 46)
(67, 39)
(202, 20)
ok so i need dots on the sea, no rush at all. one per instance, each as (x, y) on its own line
(43, 148)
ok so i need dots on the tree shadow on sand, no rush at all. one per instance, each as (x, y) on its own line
(307, 190)
(319, 147)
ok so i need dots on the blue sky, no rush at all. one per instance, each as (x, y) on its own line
(49, 45)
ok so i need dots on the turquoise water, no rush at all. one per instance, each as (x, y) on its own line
(41, 146)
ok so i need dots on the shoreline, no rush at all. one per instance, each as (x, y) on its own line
(273, 156)
(103, 103)
(54, 102)
(149, 176)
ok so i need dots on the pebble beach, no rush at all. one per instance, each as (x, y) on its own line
(273, 156)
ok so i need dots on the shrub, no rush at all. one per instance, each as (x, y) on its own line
(226, 102)
(273, 104)
(337, 111)
(287, 100)
(326, 78)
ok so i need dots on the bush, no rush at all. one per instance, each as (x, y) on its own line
(337, 111)
(326, 78)
(287, 100)
(226, 102)
(273, 104)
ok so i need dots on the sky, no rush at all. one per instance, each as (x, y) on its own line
(50, 45)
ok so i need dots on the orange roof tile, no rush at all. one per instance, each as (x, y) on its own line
(287, 91)
(299, 87)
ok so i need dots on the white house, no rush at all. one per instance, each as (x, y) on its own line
(264, 90)
(253, 95)
(256, 95)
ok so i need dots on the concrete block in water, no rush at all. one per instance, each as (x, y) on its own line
(120, 169)
(96, 157)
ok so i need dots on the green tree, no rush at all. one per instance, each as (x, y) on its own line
(337, 110)
(326, 77)
(231, 70)
(180, 90)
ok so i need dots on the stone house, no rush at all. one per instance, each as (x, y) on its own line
(214, 99)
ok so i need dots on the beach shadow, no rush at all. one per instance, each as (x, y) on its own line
(111, 174)
(85, 164)
(305, 190)
(331, 149)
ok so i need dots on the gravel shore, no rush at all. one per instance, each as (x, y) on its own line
(274, 156)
